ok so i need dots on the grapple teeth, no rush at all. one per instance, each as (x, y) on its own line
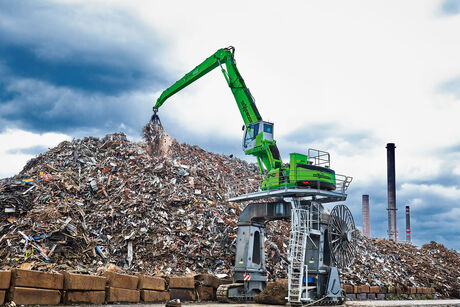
(155, 118)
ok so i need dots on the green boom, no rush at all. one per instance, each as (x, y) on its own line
(236, 83)
(258, 140)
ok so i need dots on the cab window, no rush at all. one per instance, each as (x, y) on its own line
(251, 133)
(268, 128)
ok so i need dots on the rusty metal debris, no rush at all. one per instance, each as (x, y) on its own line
(384, 263)
(159, 207)
(108, 201)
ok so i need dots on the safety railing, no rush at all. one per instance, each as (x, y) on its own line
(319, 157)
(342, 182)
(309, 179)
(299, 178)
(294, 180)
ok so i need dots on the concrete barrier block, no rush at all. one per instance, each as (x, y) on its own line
(114, 295)
(151, 283)
(34, 296)
(123, 281)
(182, 282)
(36, 279)
(348, 288)
(363, 289)
(5, 278)
(208, 280)
(84, 297)
(182, 294)
(153, 296)
(374, 289)
(84, 282)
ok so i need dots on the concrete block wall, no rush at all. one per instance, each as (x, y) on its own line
(83, 289)
(5, 279)
(121, 288)
(153, 289)
(366, 292)
(28, 287)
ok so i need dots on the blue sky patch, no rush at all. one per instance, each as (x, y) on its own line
(33, 150)
(451, 7)
(451, 87)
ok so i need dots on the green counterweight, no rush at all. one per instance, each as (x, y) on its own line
(258, 134)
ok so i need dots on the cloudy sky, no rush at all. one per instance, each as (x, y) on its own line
(342, 76)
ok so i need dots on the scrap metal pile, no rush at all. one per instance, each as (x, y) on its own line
(381, 262)
(94, 201)
(159, 207)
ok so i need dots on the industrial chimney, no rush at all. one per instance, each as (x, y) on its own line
(391, 191)
(408, 224)
(365, 217)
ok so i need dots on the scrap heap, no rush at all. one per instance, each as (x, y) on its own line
(94, 201)
(381, 262)
(159, 207)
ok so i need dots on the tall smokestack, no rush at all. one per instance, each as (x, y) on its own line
(391, 191)
(408, 224)
(365, 219)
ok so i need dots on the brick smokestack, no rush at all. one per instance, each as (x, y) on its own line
(391, 175)
(365, 217)
(408, 239)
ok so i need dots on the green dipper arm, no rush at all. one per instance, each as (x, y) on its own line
(243, 97)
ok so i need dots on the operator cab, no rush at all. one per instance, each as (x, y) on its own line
(251, 132)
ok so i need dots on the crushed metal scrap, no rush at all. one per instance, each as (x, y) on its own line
(159, 207)
(109, 201)
(381, 262)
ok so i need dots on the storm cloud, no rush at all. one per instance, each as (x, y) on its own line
(434, 204)
(65, 68)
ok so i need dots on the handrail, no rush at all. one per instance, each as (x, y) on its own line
(246, 186)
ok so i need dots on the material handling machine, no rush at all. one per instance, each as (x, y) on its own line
(320, 240)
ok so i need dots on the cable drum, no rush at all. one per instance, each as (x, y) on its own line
(342, 235)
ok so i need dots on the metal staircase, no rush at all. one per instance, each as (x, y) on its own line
(297, 271)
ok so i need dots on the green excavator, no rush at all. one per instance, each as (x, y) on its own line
(305, 171)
